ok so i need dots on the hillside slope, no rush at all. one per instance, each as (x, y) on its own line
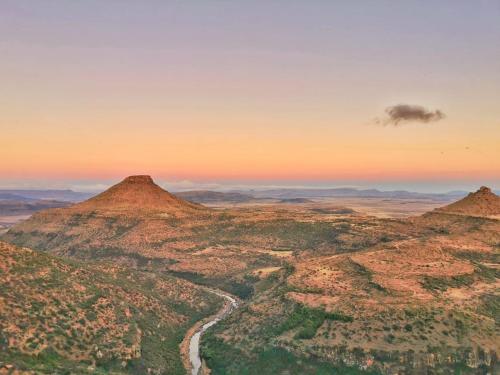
(130, 216)
(480, 203)
(141, 193)
(58, 316)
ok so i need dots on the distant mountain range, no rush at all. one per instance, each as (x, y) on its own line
(22, 207)
(207, 196)
(13, 197)
(16, 205)
(242, 196)
(295, 195)
(286, 193)
(59, 195)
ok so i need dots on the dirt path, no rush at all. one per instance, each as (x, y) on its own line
(190, 346)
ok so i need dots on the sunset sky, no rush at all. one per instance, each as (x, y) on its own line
(258, 92)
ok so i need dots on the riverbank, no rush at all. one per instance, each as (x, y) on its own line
(190, 345)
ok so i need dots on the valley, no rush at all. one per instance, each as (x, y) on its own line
(324, 288)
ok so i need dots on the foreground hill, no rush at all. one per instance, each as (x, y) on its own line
(58, 316)
(481, 203)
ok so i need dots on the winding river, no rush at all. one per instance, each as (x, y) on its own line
(194, 343)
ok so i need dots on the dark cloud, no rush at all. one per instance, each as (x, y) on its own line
(401, 113)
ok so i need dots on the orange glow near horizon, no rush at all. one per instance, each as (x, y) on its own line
(254, 157)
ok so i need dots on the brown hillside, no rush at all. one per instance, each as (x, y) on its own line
(481, 203)
(131, 216)
(138, 192)
(65, 317)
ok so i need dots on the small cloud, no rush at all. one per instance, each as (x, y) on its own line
(401, 113)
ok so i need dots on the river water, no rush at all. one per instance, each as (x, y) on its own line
(194, 343)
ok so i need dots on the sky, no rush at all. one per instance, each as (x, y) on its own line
(262, 92)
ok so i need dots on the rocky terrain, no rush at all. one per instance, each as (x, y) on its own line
(324, 288)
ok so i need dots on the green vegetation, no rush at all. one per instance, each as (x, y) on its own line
(476, 256)
(443, 283)
(366, 276)
(282, 233)
(105, 253)
(490, 306)
(481, 272)
(243, 288)
(225, 359)
(308, 320)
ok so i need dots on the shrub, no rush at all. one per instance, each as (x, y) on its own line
(309, 320)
